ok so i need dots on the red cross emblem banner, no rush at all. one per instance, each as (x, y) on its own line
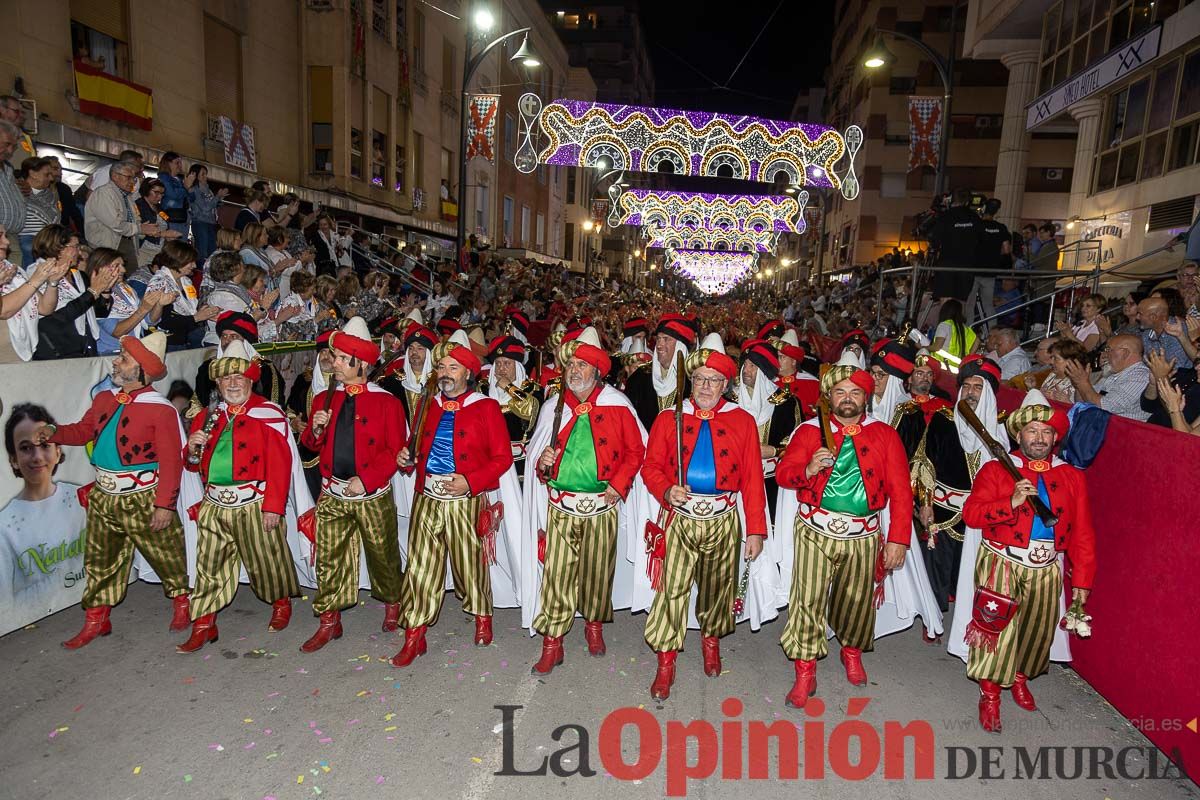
(924, 131)
(481, 126)
(239, 145)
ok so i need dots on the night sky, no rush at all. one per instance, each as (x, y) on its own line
(694, 52)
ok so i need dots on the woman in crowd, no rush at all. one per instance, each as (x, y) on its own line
(326, 242)
(373, 302)
(254, 243)
(346, 299)
(204, 202)
(128, 314)
(41, 204)
(71, 330)
(23, 300)
(1062, 353)
(952, 334)
(1087, 332)
(183, 320)
(149, 210)
(326, 294)
(227, 294)
(228, 241)
(301, 325)
(1127, 320)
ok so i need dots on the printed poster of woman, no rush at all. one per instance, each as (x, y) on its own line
(41, 528)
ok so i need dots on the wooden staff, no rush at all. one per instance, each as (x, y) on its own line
(414, 436)
(679, 379)
(319, 430)
(826, 428)
(1001, 455)
(558, 412)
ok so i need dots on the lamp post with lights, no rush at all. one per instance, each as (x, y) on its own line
(477, 30)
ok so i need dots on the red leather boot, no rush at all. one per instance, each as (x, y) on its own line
(414, 645)
(852, 661)
(665, 677)
(181, 615)
(391, 617)
(989, 706)
(483, 630)
(204, 630)
(281, 614)
(1021, 694)
(95, 623)
(328, 629)
(711, 646)
(805, 685)
(552, 655)
(594, 633)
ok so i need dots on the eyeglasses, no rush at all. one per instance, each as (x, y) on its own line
(701, 381)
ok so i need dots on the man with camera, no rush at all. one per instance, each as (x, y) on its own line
(995, 245)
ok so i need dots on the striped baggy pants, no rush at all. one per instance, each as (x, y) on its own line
(704, 552)
(581, 559)
(833, 582)
(229, 536)
(116, 524)
(1024, 644)
(440, 528)
(341, 526)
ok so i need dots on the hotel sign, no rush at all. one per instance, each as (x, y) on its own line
(1108, 70)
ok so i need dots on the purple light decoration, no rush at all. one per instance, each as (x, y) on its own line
(661, 116)
(713, 271)
(778, 208)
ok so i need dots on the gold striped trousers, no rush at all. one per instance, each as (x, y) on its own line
(704, 552)
(440, 528)
(833, 582)
(116, 524)
(1024, 645)
(581, 559)
(341, 526)
(229, 536)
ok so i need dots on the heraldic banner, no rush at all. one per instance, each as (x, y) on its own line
(924, 131)
(481, 126)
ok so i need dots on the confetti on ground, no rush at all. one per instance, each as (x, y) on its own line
(326, 740)
(379, 779)
(247, 720)
(504, 665)
(187, 778)
(77, 708)
(299, 779)
(272, 694)
(137, 770)
(247, 747)
(389, 728)
(218, 747)
(477, 760)
(363, 692)
(352, 722)
(272, 755)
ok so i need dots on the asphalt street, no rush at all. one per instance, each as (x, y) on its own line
(252, 718)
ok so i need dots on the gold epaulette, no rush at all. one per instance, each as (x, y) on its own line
(552, 386)
(525, 407)
(1002, 416)
(779, 397)
(947, 412)
(907, 407)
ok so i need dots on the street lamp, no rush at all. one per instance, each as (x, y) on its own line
(525, 56)
(879, 57)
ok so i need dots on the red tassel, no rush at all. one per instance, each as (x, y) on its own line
(978, 637)
(82, 494)
(654, 570)
(879, 595)
(488, 549)
(307, 523)
(541, 546)
(193, 511)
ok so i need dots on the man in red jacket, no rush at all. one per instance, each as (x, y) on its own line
(462, 450)
(358, 428)
(1019, 560)
(588, 468)
(136, 448)
(842, 491)
(241, 450)
(702, 532)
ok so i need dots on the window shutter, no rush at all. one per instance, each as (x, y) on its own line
(223, 69)
(104, 16)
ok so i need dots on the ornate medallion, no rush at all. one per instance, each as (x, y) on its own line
(236, 410)
(705, 413)
(354, 389)
(1039, 465)
(852, 430)
(450, 406)
(124, 398)
(583, 409)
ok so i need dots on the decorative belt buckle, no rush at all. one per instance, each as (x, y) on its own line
(1041, 555)
(839, 526)
(703, 508)
(106, 481)
(586, 505)
(227, 497)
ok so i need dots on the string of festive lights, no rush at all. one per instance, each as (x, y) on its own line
(649, 139)
(698, 237)
(725, 212)
(714, 272)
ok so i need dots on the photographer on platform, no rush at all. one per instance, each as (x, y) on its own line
(957, 234)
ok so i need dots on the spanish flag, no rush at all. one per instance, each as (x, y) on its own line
(110, 97)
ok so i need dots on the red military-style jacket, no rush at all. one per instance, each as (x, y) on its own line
(379, 433)
(260, 453)
(805, 390)
(149, 432)
(616, 438)
(989, 508)
(736, 456)
(482, 452)
(881, 458)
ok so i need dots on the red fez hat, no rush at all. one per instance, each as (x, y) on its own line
(241, 324)
(762, 355)
(506, 347)
(355, 340)
(893, 358)
(982, 366)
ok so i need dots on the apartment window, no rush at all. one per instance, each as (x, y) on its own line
(381, 124)
(541, 232)
(569, 240)
(447, 65)
(418, 46)
(510, 136)
(447, 171)
(100, 35)
(1150, 126)
(356, 156)
(222, 69)
(400, 164)
(379, 17)
(570, 186)
(525, 225)
(418, 161)
(902, 85)
(481, 209)
(508, 221)
(541, 174)
(893, 184)
(320, 113)
(398, 185)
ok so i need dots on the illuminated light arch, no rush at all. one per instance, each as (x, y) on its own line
(777, 213)
(714, 272)
(665, 151)
(702, 139)
(607, 150)
(728, 156)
